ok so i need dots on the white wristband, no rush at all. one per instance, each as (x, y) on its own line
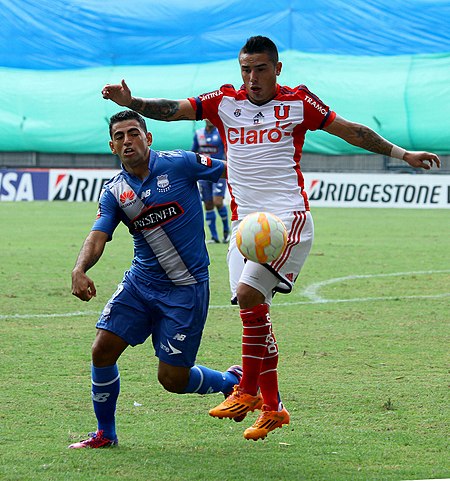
(397, 152)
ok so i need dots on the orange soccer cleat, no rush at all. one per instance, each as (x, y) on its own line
(267, 421)
(237, 405)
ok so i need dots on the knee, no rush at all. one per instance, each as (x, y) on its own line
(172, 381)
(106, 349)
(100, 356)
(248, 296)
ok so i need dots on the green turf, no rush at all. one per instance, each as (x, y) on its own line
(363, 360)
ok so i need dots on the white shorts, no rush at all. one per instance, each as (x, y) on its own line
(281, 274)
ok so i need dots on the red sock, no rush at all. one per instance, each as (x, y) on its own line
(256, 328)
(268, 379)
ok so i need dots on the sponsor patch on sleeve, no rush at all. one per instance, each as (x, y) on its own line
(204, 160)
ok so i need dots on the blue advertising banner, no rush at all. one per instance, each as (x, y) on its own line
(72, 185)
(23, 184)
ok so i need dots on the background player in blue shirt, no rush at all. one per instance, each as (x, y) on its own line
(207, 141)
(165, 293)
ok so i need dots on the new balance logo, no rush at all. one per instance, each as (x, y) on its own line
(179, 337)
(100, 397)
(146, 193)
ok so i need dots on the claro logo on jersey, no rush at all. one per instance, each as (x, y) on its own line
(258, 136)
(157, 215)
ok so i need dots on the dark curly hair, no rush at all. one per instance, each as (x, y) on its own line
(126, 115)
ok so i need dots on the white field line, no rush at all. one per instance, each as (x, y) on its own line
(309, 292)
(47, 316)
(364, 299)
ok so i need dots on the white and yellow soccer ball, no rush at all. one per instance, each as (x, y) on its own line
(261, 237)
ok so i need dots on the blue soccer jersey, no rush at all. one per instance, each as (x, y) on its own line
(208, 143)
(163, 214)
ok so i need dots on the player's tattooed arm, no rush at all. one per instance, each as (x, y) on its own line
(364, 137)
(359, 135)
(372, 141)
(159, 109)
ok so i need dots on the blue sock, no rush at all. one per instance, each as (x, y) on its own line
(223, 212)
(210, 217)
(203, 380)
(105, 391)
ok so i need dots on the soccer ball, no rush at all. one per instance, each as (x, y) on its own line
(261, 237)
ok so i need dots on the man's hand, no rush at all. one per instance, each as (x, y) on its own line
(120, 94)
(422, 160)
(82, 286)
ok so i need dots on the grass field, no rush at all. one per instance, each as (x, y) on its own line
(363, 359)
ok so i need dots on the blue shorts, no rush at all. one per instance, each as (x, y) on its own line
(209, 189)
(173, 315)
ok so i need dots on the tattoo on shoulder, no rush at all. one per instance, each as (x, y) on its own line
(158, 109)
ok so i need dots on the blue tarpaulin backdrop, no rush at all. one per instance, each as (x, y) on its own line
(380, 62)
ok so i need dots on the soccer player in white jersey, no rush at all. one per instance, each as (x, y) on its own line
(263, 125)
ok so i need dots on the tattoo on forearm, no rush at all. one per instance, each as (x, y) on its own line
(370, 140)
(158, 109)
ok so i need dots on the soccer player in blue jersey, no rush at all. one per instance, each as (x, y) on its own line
(165, 293)
(207, 141)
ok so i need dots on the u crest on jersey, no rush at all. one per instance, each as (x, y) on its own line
(281, 115)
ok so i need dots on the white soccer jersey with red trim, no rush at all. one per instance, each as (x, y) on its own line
(264, 145)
